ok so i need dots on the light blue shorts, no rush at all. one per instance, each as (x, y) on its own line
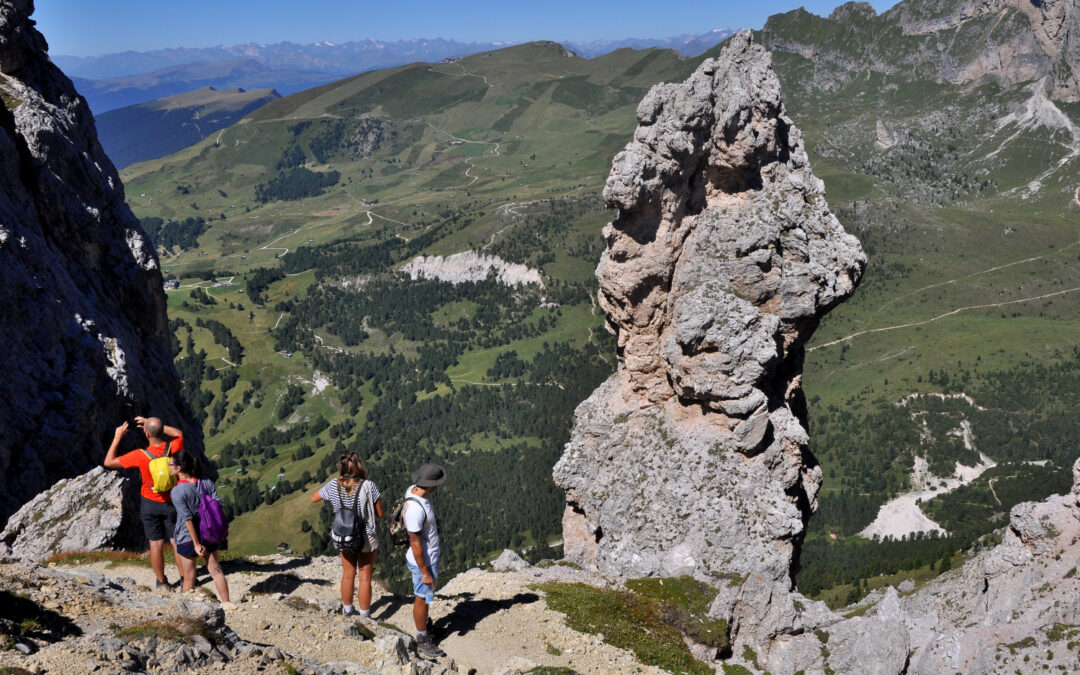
(420, 589)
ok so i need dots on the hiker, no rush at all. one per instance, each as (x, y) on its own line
(422, 555)
(156, 509)
(191, 486)
(352, 490)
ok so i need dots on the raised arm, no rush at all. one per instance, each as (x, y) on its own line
(111, 461)
(172, 431)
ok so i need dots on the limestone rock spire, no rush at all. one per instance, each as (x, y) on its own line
(721, 261)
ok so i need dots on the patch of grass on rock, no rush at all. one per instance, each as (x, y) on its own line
(89, 557)
(171, 630)
(649, 618)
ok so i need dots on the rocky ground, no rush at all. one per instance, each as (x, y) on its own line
(99, 617)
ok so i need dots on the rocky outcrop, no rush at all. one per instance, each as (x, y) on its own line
(958, 41)
(85, 334)
(96, 511)
(692, 458)
(470, 266)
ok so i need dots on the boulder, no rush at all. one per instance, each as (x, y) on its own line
(95, 511)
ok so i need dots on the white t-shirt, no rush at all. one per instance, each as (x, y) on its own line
(422, 521)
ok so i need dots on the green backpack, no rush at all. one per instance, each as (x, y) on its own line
(162, 479)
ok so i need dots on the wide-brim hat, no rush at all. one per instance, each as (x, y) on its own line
(429, 475)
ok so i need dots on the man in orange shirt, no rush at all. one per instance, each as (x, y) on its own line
(158, 513)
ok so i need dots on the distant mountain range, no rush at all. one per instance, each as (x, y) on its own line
(128, 78)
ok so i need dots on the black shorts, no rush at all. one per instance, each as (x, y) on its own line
(158, 519)
(187, 549)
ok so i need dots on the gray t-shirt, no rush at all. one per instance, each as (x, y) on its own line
(186, 498)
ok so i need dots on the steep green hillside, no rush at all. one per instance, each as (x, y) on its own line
(150, 130)
(310, 204)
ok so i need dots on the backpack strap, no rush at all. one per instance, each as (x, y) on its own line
(355, 495)
(410, 498)
(168, 451)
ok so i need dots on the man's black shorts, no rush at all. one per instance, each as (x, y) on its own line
(158, 520)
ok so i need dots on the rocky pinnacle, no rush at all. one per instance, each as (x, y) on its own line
(692, 458)
(84, 333)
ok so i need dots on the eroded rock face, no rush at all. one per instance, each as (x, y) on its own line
(958, 41)
(85, 336)
(724, 256)
(96, 511)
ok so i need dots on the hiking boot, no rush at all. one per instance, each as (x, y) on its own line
(425, 646)
(162, 584)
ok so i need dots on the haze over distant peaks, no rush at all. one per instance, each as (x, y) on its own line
(346, 57)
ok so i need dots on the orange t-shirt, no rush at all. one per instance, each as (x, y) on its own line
(138, 458)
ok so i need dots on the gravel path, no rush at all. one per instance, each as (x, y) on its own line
(489, 622)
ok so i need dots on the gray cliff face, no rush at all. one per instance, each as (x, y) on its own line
(85, 334)
(958, 41)
(692, 458)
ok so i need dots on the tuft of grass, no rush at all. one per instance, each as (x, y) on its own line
(389, 626)
(299, 603)
(175, 630)
(88, 557)
(649, 618)
(1029, 641)
(553, 650)
(552, 670)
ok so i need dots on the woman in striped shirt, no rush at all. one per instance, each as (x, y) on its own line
(353, 479)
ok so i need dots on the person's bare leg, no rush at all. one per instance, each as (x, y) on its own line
(364, 564)
(419, 613)
(213, 565)
(348, 577)
(176, 557)
(187, 572)
(157, 558)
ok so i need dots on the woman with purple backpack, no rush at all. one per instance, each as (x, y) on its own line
(191, 488)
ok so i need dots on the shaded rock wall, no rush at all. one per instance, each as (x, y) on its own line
(692, 457)
(85, 335)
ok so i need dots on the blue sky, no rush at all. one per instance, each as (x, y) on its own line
(92, 27)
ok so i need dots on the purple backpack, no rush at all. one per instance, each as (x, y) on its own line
(213, 527)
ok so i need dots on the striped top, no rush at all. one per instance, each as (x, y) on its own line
(365, 500)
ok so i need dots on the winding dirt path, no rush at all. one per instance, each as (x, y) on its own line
(939, 317)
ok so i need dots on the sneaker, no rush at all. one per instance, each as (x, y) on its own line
(350, 612)
(162, 584)
(425, 646)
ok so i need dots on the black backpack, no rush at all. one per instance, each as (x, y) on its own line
(349, 532)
